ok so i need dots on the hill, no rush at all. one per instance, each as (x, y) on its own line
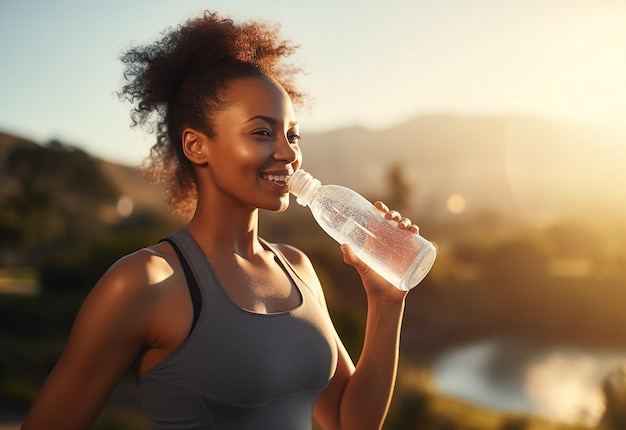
(67, 214)
(507, 259)
(520, 167)
(127, 181)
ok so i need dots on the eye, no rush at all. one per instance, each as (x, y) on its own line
(262, 132)
(293, 137)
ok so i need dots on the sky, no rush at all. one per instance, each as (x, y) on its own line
(369, 63)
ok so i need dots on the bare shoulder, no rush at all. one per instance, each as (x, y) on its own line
(301, 264)
(134, 279)
(295, 256)
(116, 316)
(110, 332)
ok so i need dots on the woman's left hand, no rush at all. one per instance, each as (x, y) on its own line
(403, 222)
(375, 285)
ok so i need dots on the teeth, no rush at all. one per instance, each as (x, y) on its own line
(276, 178)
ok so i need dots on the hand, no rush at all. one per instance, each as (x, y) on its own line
(403, 223)
(375, 285)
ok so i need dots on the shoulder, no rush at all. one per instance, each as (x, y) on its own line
(293, 254)
(133, 272)
(115, 320)
(296, 257)
(134, 280)
(301, 264)
(146, 266)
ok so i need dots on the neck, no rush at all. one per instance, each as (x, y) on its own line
(219, 229)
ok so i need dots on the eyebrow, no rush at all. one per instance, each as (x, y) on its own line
(269, 120)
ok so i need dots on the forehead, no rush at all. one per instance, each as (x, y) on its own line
(258, 96)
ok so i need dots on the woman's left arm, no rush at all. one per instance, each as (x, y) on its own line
(359, 398)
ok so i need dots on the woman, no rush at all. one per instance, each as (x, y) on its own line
(222, 329)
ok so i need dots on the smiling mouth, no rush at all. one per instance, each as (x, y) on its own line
(278, 179)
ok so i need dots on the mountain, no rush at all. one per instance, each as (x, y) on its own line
(8, 142)
(130, 182)
(564, 282)
(519, 167)
(127, 181)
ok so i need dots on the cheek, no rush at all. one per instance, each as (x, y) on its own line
(238, 159)
(252, 154)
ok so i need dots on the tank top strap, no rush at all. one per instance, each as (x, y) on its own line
(192, 283)
(287, 265)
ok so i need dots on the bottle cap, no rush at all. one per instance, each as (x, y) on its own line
(302, 185)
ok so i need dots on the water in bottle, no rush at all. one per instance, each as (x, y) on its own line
(400, 257)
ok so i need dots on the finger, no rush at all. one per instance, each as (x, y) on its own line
(414, 229)
(381, 206)
(352, 259)
(404, 224)
(349, 256)
(393, 215)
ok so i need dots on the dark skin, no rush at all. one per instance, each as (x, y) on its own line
(140, 312)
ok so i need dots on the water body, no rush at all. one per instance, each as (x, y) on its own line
(558, 382)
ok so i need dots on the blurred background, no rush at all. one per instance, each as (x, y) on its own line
(498, 127)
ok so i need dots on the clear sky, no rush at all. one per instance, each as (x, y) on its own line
(371, 63)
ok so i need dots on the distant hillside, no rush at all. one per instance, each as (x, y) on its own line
(568, 285)
(127, 180)
(440, 156)
(528, 167)
(8, 142)
(517, 166)
(130, 182)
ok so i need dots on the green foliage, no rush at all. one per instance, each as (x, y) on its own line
(491, 277)
(56, 192)
(52, 217)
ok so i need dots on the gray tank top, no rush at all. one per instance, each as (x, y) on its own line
(238, 369)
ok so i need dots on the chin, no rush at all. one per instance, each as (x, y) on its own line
(282, 206)
(279, 206)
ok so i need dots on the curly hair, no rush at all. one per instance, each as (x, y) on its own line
(176, 81)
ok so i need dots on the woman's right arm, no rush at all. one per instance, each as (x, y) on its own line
(108, 333)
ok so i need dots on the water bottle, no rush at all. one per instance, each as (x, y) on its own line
(401, 257)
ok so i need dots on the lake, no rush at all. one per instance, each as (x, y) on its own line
(558, 382)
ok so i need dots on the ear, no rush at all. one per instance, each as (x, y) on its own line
(195, 146)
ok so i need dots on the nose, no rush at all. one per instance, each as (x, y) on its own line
(286, 151)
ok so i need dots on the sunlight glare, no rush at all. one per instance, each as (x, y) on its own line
(456, 204)
(125, 206)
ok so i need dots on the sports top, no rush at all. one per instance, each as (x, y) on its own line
(238, 369)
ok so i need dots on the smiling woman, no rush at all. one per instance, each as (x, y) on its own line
(248, 148)
(185, 89)
(222, 329)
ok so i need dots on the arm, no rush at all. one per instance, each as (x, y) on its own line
(359, 398)
(106, 337)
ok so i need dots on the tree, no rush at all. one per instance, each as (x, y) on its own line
(614, 390)
(52, 211)
(400, 188)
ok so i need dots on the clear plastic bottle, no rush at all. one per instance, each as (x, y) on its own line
(400, 257)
